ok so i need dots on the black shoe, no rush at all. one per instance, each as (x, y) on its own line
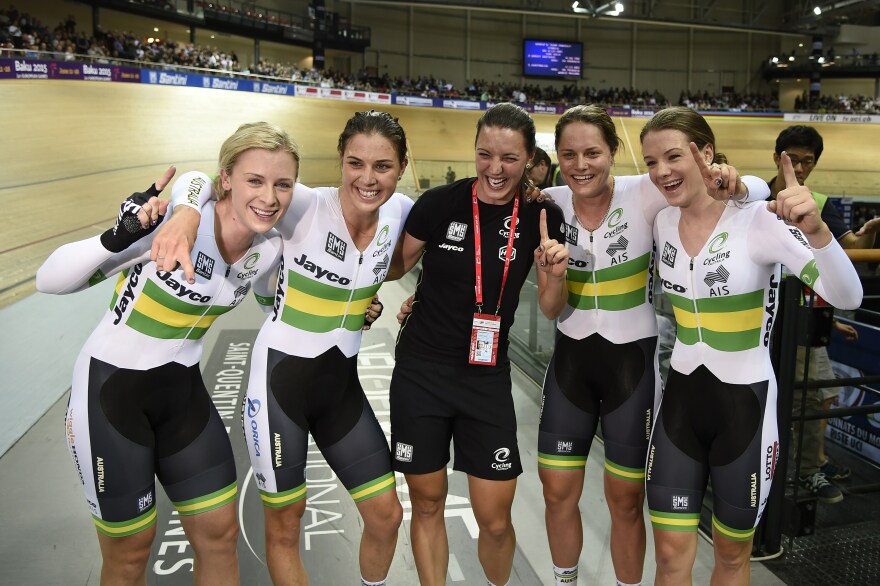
(820, 488)
(834, 471)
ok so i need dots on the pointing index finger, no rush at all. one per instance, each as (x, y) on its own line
(543, 227)
(165, 178)
(788, 171)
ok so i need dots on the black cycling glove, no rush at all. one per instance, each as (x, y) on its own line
(128, 229)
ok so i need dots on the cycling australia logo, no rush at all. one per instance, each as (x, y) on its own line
(502, 455)
(249, 263)
(614, 217)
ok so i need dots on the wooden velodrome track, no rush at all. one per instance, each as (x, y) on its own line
(72, 149)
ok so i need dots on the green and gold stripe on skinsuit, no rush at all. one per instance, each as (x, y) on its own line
(730, 532)
(554, 462)
(276, 500)
(160, 314)
(623, 472)
(674, 521)
(374, 487)
(120, 284)
(209, 502)
(320, 308)
(125, 528)
(616, 288)
(729, 324)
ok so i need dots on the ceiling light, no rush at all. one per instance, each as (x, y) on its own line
(817, 11)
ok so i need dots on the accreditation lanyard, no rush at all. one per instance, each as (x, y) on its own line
(487, 326)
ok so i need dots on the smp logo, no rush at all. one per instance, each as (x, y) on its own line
(669, 254)
(718, 243)
(253, 407)
(501, 459)
(679, 502)
(335, 246)
(564, 447)
(204, 265)
(456, 231)
(403, 452)
(571, 233)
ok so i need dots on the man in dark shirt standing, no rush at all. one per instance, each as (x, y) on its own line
(804, 146)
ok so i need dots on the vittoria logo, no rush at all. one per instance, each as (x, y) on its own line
(564, 447)
(669, 253)
(335, 246)
(571, 233)
(456, 231)
(679, 502)
(204, 265)
(719, 276)
(618, 246)
(403, 452)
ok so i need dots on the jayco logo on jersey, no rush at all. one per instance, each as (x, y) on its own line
(669, 254)
(128, 294)
(451, 247)
(501, 457)
(571, 233)
(279, 290)
(770, 309)
(204, 265)
(319, 272)
(618, 247)
(181, 290)
(506, 231)
(335, 246)
(456, 231)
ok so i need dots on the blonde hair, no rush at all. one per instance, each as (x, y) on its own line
(253, 135)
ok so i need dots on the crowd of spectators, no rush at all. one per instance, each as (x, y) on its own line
(20, 31)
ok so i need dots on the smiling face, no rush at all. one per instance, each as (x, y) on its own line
(370, 168)
(585, 159)
(260, 187)
(501, 158)
(672, 167)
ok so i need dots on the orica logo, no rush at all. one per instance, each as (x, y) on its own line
(717, 243)
(253, 407)
(501, 457)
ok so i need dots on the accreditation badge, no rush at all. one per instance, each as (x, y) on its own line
(484, 339)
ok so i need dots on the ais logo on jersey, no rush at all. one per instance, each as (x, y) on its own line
(618, 247)
(204, 265)
(335, 246)
(456, 231)
(669, 253)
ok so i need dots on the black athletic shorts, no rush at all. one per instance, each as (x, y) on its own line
(432, 403)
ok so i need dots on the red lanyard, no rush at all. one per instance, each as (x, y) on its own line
(478, 250)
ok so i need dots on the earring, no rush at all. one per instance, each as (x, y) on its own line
(399, 177)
